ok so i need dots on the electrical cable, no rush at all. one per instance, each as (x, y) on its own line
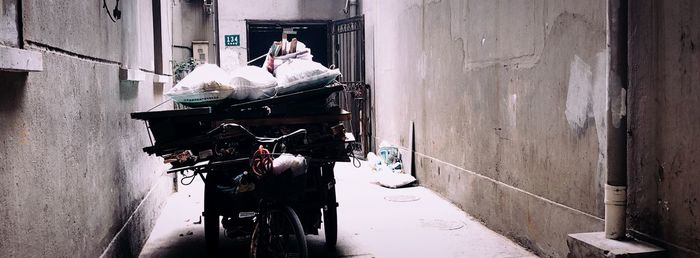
(117, 13)
(351, 151)
(190, 177)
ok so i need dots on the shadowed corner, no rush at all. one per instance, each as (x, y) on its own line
(158, 91)
(189, 242)
(317, 248)
(13, 88)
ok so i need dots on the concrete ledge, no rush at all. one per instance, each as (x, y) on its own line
(131, 75)
(20, 60)
(595, 244)
(158, 78)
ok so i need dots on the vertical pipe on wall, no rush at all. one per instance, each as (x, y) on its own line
(351, 7)
(616, 186)
(20, 25)
(216, 32)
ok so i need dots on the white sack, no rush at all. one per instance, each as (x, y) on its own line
(297, 164)
(299, 75)
(206, 84)
(395, 180)
(251, 83)
(374, 161)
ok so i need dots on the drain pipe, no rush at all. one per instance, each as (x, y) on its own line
(616, 186)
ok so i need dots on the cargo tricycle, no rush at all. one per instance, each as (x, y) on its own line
(267, 166)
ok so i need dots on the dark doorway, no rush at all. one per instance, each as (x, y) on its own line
(333, 43)
(261, 34)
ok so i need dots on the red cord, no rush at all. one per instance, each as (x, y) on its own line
(262, 161)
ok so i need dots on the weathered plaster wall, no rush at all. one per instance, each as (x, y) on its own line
(8, 23)
(664, 142)
(233, 13)
(193, 25)
(75, 181)
(509, 100)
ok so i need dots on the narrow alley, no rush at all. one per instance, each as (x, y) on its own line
(485, 128)
(373, 221)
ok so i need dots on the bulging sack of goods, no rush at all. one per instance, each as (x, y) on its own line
(298, 75)
(291, 63)
(206, 85)
(296, 164)
(252, 83)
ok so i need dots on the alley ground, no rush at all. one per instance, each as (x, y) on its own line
(373, 221)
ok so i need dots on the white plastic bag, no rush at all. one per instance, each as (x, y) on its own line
(374, 161)
(207, 84)
(395, 180)
(298, 75)
(297, 164)
(251, 83)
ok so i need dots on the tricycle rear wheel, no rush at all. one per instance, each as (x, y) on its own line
(330, 213)
(330, 224)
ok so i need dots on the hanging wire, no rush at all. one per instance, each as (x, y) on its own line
(351, 152)
(186, 177)
(117, 13)
(169, 99)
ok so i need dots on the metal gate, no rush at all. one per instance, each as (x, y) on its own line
(348, 47)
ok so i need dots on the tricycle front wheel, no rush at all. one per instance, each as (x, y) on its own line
(278, 234)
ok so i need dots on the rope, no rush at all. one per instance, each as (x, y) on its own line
(257, 58)
(184, 178)
(351, 151)
(261, 161)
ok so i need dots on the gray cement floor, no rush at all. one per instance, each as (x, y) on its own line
(373, 221)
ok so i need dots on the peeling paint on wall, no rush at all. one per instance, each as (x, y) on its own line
(586, 98)
(233, 58)
(512, 109)
(578, 97)
(489, 39)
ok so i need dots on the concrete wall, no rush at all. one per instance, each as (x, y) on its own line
(76, 182)
(510, 104)
(9, 35)
(664, 142)
(233, 13)
(193, 25)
